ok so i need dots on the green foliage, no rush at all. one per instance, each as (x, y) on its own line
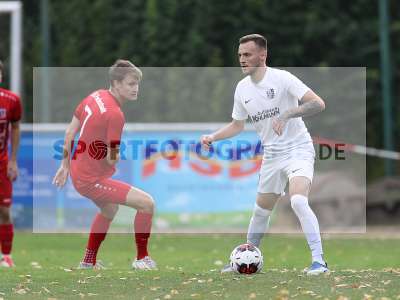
(187, 33)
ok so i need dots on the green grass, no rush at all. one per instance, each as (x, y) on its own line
(189, 269)
(194, 221)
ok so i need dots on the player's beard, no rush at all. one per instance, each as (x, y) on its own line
(254, 69)
(249, 70)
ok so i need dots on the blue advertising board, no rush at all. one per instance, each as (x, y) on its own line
(169, 165)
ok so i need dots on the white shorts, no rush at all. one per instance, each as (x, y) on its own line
(276, 172)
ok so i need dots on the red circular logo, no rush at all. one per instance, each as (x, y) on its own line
(98, 150)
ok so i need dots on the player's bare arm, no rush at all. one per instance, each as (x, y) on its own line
(230, 130)
(62, 173)
(113, 154)
(310, 104)
(12, 167)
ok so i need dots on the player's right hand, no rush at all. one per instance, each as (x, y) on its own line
(61, 177)
(206, 141)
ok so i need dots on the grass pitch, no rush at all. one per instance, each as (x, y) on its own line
(361, 268)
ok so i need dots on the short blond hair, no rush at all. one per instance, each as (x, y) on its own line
(121, 68)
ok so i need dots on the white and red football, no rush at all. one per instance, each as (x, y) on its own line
(246, 259)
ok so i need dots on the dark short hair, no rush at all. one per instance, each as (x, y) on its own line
(121, 68)
(260, 40)
(1, 66)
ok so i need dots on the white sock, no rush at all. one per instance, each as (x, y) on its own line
(258, 225)
(309, 224)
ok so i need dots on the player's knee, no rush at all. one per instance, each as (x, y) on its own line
(140, 201)
(298, 202)
(259, 211)
(299, 186)
(109, 211)
(148, 204)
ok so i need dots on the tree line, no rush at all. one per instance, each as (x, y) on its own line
(192, 33)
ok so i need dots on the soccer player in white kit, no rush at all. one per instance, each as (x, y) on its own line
(275, 101)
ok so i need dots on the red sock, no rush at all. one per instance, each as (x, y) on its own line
(6, 238)
(142, 226)
(98, 232)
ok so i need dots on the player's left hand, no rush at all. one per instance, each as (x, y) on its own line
(12, 170)
(61, 177)
(278, 124)
(206, 141)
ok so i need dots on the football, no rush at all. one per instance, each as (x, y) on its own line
(246, 259)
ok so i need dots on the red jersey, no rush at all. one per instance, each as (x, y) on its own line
(102, 121)
(10, 111)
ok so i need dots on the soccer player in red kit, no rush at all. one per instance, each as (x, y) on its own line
(10, 115)
(100, 120)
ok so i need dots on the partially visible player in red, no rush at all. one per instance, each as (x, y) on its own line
(100, 120)
(10, 115)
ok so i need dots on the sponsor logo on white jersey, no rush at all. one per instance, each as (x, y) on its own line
(271, 93)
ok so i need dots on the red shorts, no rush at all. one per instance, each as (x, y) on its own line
(5, 188)
(104, 191)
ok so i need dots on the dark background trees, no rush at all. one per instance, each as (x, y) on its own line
(190, 33)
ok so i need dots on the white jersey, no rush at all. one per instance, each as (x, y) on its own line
(261, 102)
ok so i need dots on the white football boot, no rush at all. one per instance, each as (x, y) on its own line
(145, 263)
